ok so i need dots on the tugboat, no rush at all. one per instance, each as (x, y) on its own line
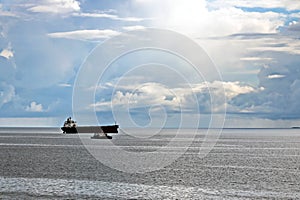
(100, 132)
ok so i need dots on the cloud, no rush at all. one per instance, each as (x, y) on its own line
(7, 53)
(255, 47)
(275, 76)
(88, 35)
(285, 4)
(7, 93)
(247, 53)
(279, 95)
(271, 99)
(139, 96)
(56, 6)
(109, 16)
(34, 107)
(96, 15)
(256, 59)
(187, 98)
(236, 39)
(42, 61)
(294, 26)
(194, 18)
(133, 28)
(64, 85)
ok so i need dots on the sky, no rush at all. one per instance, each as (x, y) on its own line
(253, 45)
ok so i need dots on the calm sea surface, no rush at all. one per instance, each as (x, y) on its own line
(42, 163)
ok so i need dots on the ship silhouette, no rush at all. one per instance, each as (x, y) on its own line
(100, 132)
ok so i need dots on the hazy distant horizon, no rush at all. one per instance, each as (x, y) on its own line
(56, 123)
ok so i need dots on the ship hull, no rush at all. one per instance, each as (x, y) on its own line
(69, 130)
(90, 129)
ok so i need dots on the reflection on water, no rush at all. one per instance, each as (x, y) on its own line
(62, 188)
(245, 163)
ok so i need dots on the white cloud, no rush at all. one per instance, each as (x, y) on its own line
(64, 85)
(35, 56)
(85, 34)
(271, 100)
(210, 28)
(109, 16)
(275, 76)
(133, 28)
(279, 99)
(96, 15)
(285, 4)
(186, 98)
(56, 6)
(236, 55)
(256, 59)
(7, 53)
(192, 17)
(34, 107)
(139, 96)
(292, 23)
(233, 89)
(247, 53)
(131, 19)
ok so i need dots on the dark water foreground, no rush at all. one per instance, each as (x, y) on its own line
(244, 164)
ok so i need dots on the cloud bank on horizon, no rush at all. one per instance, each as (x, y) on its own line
(255, 45)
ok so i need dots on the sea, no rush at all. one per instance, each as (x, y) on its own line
(43, 163)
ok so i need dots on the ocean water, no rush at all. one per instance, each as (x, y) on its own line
(42, 163)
